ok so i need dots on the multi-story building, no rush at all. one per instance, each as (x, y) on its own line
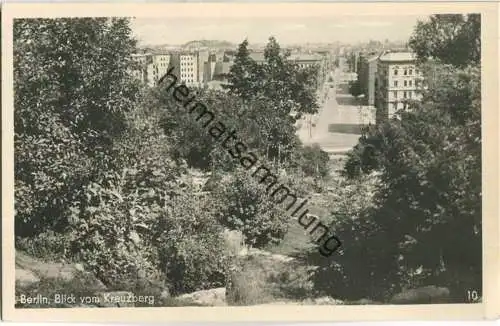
(396, 82)
(161, 62)
(185, 66)
(150, 67)
(209, 68)
(202, 59)
(367, 70)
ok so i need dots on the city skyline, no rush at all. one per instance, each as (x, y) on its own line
(345, 29)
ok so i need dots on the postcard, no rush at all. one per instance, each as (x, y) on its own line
(250, 162)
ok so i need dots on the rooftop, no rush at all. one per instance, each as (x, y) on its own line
(398, 56)
(306, 57)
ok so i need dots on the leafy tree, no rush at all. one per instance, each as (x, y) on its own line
(72, 92)
(429, 198)
(355, 89)
(451, 38)
(286, 86)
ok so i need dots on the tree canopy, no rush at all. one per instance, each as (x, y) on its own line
(451, 38)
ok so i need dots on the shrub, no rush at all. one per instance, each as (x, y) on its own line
(50, 246)
(243, 204)
(191, 246)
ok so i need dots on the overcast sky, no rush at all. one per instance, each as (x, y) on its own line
(349, 29)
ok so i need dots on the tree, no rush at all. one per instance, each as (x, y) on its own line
(451, 38)
(242, 73)
(286, 87)
(72, 93)
(314, 161)
(429, 199)
(355, 88)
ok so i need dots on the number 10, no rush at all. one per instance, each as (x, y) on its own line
(472, 295)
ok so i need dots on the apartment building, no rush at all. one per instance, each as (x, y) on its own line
(185, 66)
(396, 82)
(150, 67)
(367, 71)
(203, 57)
(161, 62)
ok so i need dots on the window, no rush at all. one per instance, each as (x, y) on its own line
(405, 83)
(395, 105)
(404, 94)
(409, 82)
(417, 82)
(411, 72)
(406, 72)
(395, 94)
(395, 83)
(409, 94)
(395, 71)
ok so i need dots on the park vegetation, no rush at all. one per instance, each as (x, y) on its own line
(104, 168)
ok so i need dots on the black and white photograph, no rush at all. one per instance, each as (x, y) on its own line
(257, 161)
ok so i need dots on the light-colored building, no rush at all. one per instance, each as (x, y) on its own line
(185, 66)
(396, 82)
(150, 67)
(161, 62)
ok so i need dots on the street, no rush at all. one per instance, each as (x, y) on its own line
(336, 128)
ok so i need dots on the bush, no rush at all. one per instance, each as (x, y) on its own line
(243, 204)
(191, 246)
(356, 271)
(313, 161)
(49, 245)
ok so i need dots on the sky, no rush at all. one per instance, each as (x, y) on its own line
(345, 29)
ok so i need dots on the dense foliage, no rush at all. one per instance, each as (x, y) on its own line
(451, 38)
(96, 180)
(243, 204)
(427, 204)
(72, 94)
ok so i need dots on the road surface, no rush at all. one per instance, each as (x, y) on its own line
(336, 128)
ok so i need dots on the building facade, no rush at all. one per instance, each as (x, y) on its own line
(367, 71)
(396, 82)
(185, 67)
(150, 67)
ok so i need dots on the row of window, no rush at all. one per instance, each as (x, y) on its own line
(186, 69)
(406, 83)
(406, 72)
